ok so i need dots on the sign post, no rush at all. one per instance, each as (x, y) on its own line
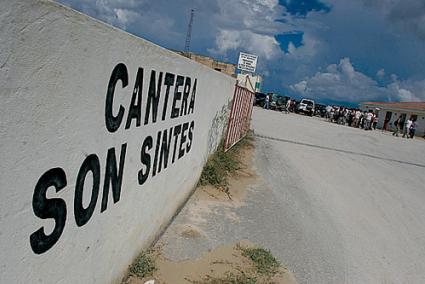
(247, 62)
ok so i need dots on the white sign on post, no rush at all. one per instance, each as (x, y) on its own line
(247, 62)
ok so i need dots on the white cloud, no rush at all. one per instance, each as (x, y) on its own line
(407, 91)
(381, 73)
(124, 16)
(301, 87)
(118, 13)
(266, 47)
(223, 28)
(341, 82)
(228, 40)
(248, 25)
(252, 25)
(129, 15)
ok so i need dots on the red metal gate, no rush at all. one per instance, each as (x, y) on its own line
(240, 116)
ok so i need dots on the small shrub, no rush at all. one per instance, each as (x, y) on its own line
(221, 164)
(230, 278)
(143, 266)
(264, 261)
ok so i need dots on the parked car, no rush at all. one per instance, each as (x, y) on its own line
(277, 102)
(320, 110)
(260, 99)
(297, 104)
(281, 102)
(306, 106)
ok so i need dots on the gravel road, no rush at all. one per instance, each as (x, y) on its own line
(335, 204)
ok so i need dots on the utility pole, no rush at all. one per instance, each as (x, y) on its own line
(189, 33)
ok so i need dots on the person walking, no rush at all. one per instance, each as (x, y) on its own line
(368, 125)
(331, 115)
(374, 121)
(412, 129)
(266, 102)
(385, 127)
(406, 128)
(397, 126)
(357, 116)
(288, 106)
(328, 112)
(293, 105)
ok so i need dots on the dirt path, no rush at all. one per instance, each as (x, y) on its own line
(189, 252)
(222, 265)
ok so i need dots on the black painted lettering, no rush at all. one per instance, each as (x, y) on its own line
(45, 208)
(135, 110)
(169, 81)
(83, 215)
(186, 91)
(192, 98)
(158, 145)
(165, 149)
(112, 177)
(113, 122)
(183, 139)
(177, 130)
(177, 96)
(153, 97)
(145, 158)
(189, 144)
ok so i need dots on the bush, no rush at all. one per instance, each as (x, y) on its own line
(221, 164)
(264, 261)
(143, 266)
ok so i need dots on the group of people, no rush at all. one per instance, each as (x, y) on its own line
(409, 128)
(368, 120)
(352, 117)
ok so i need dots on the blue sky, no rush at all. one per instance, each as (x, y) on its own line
(330, 50)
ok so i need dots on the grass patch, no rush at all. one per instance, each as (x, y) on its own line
(230, 278)
(263, 259)
(144, 265)
(221, 164)
(264, 267)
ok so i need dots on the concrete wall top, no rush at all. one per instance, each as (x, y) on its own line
(104, 135)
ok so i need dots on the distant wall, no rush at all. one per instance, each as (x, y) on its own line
(394, 114)
(103, 137)
(226, 68)
(420, 122)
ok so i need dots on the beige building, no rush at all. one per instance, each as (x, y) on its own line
(226, 68)
(391, 111)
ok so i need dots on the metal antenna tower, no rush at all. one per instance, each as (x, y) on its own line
(189, 32)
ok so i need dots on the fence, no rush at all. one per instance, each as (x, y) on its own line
(240, 116)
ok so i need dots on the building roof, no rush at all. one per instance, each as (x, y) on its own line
(405, 105)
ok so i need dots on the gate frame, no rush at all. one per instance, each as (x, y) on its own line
(240, 116)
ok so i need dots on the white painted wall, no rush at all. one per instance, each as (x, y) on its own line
(396, 113)
(55, 65)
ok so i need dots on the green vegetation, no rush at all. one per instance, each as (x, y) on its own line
(264, 261)
(221, 164)
(144, 265)
(230, 278)
(264, 268)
